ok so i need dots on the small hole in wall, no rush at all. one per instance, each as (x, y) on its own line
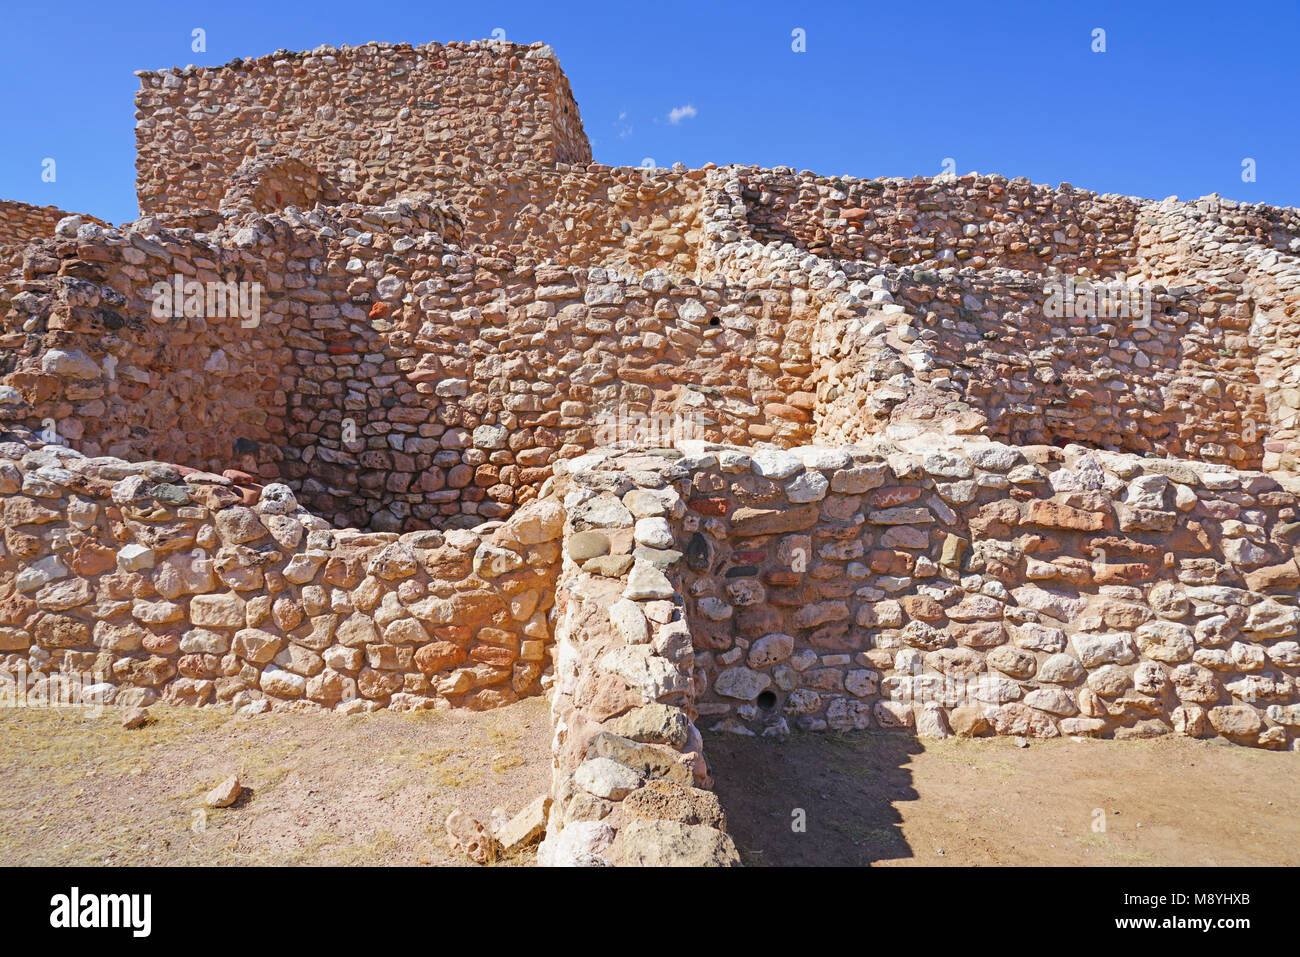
(766, 701)
(714, 321)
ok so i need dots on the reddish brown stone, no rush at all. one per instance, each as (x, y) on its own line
(995, 519)
(978, 634)
(61, 631)
(1116, 547)
(758, 521)
(754, 621)
(484, 699)
(438, 656)
(164, 644)
(92, 559)
(713, 505)
(777, 576)
(898, 495)
(790, 597)
(1125, 574)
(15, 609)
(492, 655)
(885, 561)
(606, 696)
(1055, 515)
(1284, 577)
(922, 606)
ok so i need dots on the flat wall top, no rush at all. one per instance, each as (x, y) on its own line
(374, 120)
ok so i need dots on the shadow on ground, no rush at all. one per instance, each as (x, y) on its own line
(840, 787)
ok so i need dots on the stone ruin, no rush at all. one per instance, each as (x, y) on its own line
(394, 399)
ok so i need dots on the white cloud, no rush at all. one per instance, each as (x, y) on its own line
(679, 113)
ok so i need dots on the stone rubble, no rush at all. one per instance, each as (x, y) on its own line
(224, 794)
(467, 836)
(23, 223)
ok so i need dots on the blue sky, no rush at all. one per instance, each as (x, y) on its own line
(1184, 93)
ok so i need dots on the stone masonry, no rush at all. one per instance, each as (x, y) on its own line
(393, 398)
(22, 223)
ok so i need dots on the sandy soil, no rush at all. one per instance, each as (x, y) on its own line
(891, 799)
(375, 789)
(319, 789)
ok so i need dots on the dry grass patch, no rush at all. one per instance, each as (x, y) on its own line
(319, 789)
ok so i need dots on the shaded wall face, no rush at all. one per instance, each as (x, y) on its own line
(455, 406)
(395, 381)
(1224, 247)
(155, 347)
(270, 183)
(374, 120)
(1035, 362)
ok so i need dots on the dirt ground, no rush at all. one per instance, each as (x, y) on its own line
(890, 799)
(375, 789)
(319, 789)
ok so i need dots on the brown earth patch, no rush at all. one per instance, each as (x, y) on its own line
(319, 789)
(892, 799)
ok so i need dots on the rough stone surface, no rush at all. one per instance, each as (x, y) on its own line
(224, 794)
(752, 448)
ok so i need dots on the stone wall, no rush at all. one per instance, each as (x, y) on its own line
(425, 383)
(134, 581)
(630, 785)
(374, 120)
(932, 291)
(980, 588)
(635, 219)
(22, 223)
(1182, 381)
(734, 436)
(265, 184)
(966, 589)
(392, 378)
(983, 222)
(98, 367)
(397, 380)
(1221, 245)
